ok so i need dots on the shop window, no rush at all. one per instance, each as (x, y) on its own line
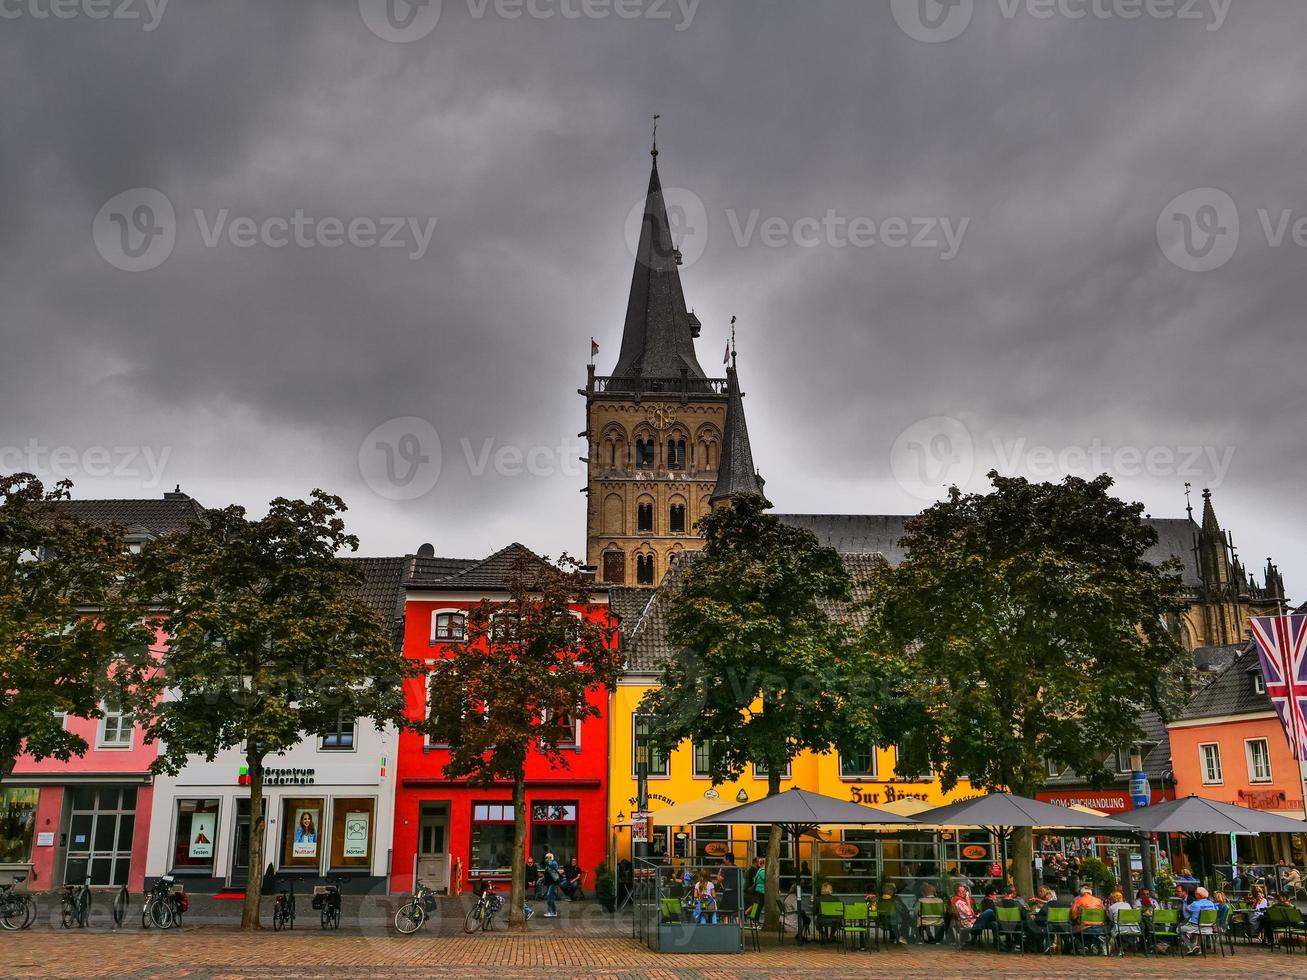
(301, 832)
(553, 829)
(352, 823)
(711, 841)
(492, 839)
(195, 835)
(17, 823)
(341, 734)
(858, 764)
(449, 627)
(115, 727)
(101, 824)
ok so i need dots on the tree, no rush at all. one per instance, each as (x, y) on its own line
(518, 681)
(69, 637)
(762, 670)
(269, 642)
(1028, 624)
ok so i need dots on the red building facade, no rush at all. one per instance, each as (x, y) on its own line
(448, 833)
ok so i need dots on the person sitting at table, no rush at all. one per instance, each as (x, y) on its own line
(963, 910)
(1222, 907)
(1144, 901)
(795, 918)
(1257, 905)
(1189, 930)
(1115, 903)
(532, 877)
(1087, 900)
(571, 883)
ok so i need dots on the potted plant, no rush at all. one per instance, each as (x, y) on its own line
(606, 888)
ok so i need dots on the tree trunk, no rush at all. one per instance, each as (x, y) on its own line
(1023, 860)
(254, 887)
(773, 880)
(517, 894)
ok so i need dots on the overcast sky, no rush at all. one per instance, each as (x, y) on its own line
(954, 238)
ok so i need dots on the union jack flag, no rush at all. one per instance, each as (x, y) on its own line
(1282, 643)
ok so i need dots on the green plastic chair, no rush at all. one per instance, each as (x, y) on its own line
(855, 925)
(1057, 927)
(1093, 926)
(1011, 927)
(1208, 924)
(1166, 926)
(1285, 925)
(930, 915)
(671, 909)
(1129, 926)
(830, 916)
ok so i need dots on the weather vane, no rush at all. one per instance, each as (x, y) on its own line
(732, 342)
(655, 133)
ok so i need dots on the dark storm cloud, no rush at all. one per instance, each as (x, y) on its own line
(1049, 146)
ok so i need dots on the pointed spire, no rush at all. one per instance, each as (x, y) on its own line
(1210, 524)
(658, 338)
(735, 474)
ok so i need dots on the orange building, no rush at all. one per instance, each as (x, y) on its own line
(1228, 745)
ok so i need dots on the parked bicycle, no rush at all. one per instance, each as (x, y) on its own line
(164, 907)
(75, 905)
(482, 913)
(283, 909)
(326, 900)
(415, 912)
(17, 909)
(121, 902)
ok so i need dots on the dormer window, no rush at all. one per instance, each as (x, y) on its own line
(1258, 682)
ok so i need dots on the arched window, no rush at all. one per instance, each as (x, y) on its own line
(644, 517)
(676, 519)
(644, 454)
(676, 454)
(644, 569)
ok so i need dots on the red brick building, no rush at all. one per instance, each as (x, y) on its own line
(447, 832)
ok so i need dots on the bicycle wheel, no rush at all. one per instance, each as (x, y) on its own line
(161, 914)
(84, 909)
(120, 907)
(409, 918)
(473, 921)
(11, 914)
(67, 914)
(29, 906)
(147, 910)
(176, 913)
(278, 918)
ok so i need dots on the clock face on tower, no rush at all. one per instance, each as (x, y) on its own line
(661, 418)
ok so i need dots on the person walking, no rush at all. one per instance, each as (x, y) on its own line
(551, 876)
(759, 888)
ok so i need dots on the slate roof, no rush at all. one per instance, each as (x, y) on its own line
(463, 575)
(1213, 660)
(1231, 692)
(882, 533)
(735, 472)
(657, 339)
(383, 588)
(151, 517)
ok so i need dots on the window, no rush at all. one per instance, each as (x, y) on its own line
(352, 822)
(492, 839)
(644, 454)
(1122, 761)
(1210, 755)
(1053, 767)
(1259, 682)
(711, 841)
(644, 517)
(904, 771)
(760, 771)
(859, 764)
(656, 760)
(195, 835)
(17, 823)
(447, 627)
(1259, 760)
(61, 717)
(301, 832)
(761, 834)
(676, 454)
(703, 759)
(115, 727)
(676, 519)
(644, 569)
(553, 829)
(101, 827)
(341, 736)
(569, 730)
(615, 567)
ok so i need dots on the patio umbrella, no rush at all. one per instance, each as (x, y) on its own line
(1195, 815)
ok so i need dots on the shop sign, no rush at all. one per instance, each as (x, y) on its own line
(996, 871)
(1263, 799)
(715, 849)
(975, 852)
(847, 850)
(356, 833)
(885, 793)
(289, 777)
(634, 801)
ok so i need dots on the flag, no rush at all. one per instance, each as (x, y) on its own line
(726, 358)
(594, 348)
(1282, 643)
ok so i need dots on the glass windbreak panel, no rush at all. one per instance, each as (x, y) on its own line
(17, 823)
(849, 865)
(711, 842)
(970, 855)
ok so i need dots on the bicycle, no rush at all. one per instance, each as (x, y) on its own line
(75, 905)
(482, 913)
(163, 907)
(121, 902)
(326, 899)
(283, 909)
(17, 909)
(415, 912)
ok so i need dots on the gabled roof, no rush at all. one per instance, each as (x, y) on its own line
(883, 533)
(491, 574)
(657, 339)
(383, 587)
(735, 472)
(149, 517)
(1231, 692)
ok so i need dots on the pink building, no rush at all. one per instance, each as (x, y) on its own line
(63, 821)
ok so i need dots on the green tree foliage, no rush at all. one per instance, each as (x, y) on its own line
(763, 670)
(1027, 624)
(517, 683)
(69, 637)
(269, 642)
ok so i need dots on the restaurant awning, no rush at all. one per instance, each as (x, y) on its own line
(1006, 810)
(1195, 815)
(801, 808)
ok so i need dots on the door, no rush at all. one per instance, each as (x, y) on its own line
(433, 845)
(98, 840)
(240, 846)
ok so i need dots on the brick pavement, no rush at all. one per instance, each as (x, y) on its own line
(219, 952)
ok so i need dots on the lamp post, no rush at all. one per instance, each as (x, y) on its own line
(640, 820)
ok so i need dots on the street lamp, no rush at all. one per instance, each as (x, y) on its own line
(640, 819)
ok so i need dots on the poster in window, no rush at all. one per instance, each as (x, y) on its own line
(305, 844)
(201, 836)
(356, 833)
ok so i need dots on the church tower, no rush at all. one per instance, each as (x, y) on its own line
(656, 426)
